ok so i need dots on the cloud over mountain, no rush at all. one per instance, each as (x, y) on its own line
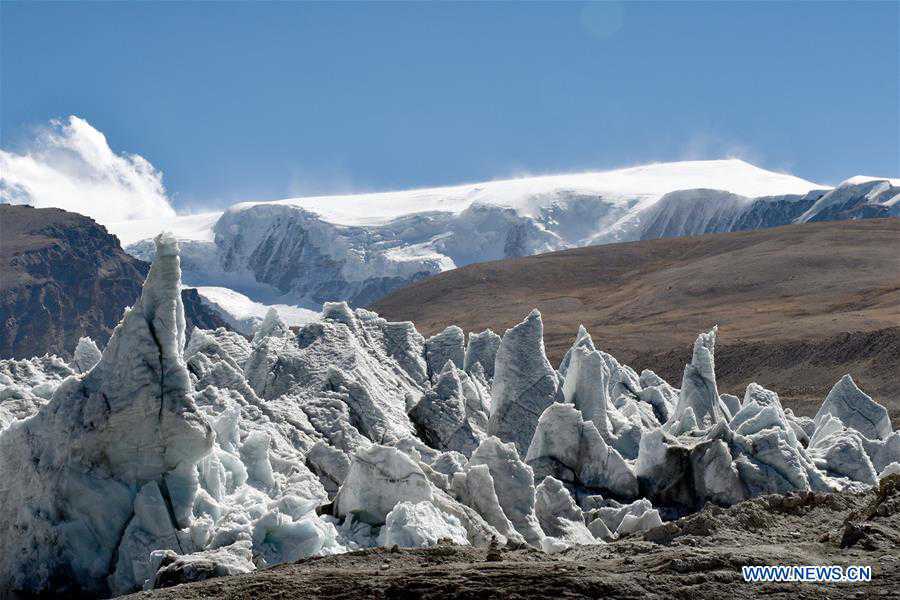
(70, 165)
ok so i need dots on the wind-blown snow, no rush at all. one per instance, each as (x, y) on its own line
(527, 195)
(867, 178)
(166, 461)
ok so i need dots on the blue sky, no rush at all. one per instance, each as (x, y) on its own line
(242, 101)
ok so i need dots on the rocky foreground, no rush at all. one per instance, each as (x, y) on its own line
(699, 556)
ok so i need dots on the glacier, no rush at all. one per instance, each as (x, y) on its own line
(160, 460)
(301, 252)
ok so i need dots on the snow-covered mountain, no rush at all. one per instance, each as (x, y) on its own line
(306, 251)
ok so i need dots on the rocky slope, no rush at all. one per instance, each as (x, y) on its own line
(62, 277)
(306, 251)
(797, 305)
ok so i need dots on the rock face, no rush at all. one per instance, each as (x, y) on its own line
(63, 277)
(164, 460)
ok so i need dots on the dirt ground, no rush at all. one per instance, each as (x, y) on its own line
(797, 307)
(697, 557)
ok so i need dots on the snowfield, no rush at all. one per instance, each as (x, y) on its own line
(245, 315)
(166, 459)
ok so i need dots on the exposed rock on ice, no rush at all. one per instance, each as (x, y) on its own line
(524, 383)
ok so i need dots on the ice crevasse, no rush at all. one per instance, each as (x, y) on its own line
(163, 460)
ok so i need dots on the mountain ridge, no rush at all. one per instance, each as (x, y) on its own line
(307, 251)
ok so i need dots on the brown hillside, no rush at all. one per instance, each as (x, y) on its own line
(797, 306)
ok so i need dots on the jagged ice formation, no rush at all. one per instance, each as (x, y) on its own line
(163, 460)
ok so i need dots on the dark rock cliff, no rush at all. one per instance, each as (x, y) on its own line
(63, 276)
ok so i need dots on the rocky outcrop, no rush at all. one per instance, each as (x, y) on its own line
(63, 277)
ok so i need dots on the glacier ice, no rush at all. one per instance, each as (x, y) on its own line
(420, 525)
(75, 468)
(482, 349)
(558, 514)
(162, 460)
(87, 354)
(572, 450)
(442, 414)
(524, 383)
(855, 408)
(448, 345)
(378, 479)
(699, 392)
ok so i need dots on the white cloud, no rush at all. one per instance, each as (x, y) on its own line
(71, 166)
